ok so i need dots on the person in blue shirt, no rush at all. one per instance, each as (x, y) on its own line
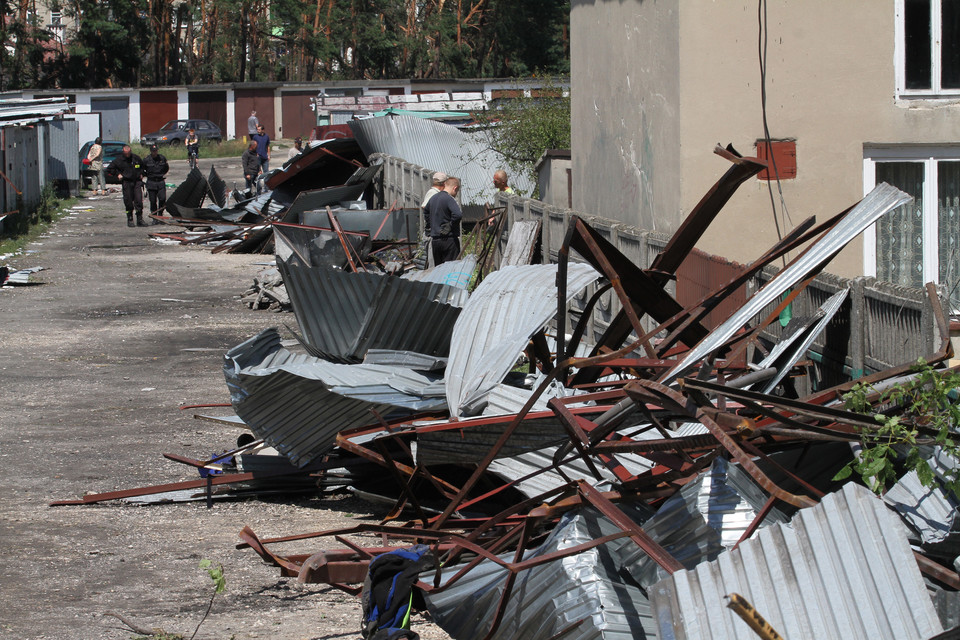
(263, 148)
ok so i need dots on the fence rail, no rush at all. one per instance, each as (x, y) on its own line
(880, 325)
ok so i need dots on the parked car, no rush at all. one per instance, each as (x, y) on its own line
(111, 149)
(175, 132)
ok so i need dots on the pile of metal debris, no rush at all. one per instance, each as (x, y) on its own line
(659, 481)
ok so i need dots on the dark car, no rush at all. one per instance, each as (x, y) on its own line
(111, 149)
(175, 132)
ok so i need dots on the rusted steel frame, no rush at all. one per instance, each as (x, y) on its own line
(702, 215)
(355, 163)
(508, 583)
(368, 454)
(937, 571)
(233, 478)
(799, 407)
(752, 448)
(347, 249)
(643, 540)
(688, 443)
(454, 550)
(731, 445)
(581, 327)
(578, 437)
(633, 286)
(515, 422)
(436, 482)
(215, 459)
(251, 540)
(524, 565)
(539, 350)
(757, 520)
(404, 485)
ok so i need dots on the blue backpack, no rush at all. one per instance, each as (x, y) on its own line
(388, 592)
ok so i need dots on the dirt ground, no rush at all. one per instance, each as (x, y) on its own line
(94, 365)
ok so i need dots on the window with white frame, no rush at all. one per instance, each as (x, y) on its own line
(928, 47)
(920, 241)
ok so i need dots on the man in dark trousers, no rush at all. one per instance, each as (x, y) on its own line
(251, 167)
(155, 167)
(444, 215)
(129, 168)
(263, 148)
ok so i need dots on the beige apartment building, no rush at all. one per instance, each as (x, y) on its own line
(858, 92)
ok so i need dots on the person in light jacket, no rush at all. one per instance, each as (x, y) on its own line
(95, 156)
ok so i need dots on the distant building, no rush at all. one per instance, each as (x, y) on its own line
(858, 92)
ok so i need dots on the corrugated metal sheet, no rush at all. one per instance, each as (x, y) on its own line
(535, 463)
(299, 212)
(298, 403)
(15, 111)
(521, 242)
(216, 187)
(882, 199)
(343, 314)
(843, 571)
(438, 147)
(508, 307)
(62, 142)
(696, 524)
(189, 194)
(551, 597)
(785, 353)
(455, 273)
(408, 359)
(313, 247)
(469, 443)
(931, 511)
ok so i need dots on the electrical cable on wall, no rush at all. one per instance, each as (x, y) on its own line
(762, 53)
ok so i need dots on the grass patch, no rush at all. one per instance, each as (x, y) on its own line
(225, 149)
(25, 228)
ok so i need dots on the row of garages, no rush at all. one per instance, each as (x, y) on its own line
(130, 113)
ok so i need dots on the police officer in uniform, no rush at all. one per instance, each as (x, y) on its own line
(155, 167)
(129, 168)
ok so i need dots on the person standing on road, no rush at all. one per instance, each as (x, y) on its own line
(155, 167)
(129, 168)
(444, 215)
(263, 148)
(95, 156)
(251, 167)
(252, 123)
(297, 148)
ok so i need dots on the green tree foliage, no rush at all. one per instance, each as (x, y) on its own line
(525, 126)
(163, 42)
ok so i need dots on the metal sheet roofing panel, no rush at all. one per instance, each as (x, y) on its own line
(843, 571)
(189, 194)
(932, 511)
(696, 524)
(882, 199)
(438, 147)
(551, 597)
(508, 307)
(343, 314)
(455, 273)
(298, 403)
(469, 443)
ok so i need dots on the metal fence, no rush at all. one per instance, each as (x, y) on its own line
(880, 325)
(33, 156)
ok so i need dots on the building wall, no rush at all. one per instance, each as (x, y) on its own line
(625, 101)
(831, 86)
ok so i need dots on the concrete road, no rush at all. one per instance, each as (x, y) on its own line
(94, 366)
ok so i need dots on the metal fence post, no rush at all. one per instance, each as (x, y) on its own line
(858, 327)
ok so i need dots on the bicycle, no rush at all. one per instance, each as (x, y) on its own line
(193, 157)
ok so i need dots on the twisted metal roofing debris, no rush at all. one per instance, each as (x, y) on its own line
(217, 188)
(508, 307)
(309, 207)
(298, 403)
(882, 199)
(438, 147)
(704, 518)
(783, 361)
(21, 111)
(843, 570)
(455, 273)
(932, 511)
(189, 194)
(313, 246)
(551, 597)
(343, 314)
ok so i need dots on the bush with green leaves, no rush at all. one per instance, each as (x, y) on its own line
(922, 411)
